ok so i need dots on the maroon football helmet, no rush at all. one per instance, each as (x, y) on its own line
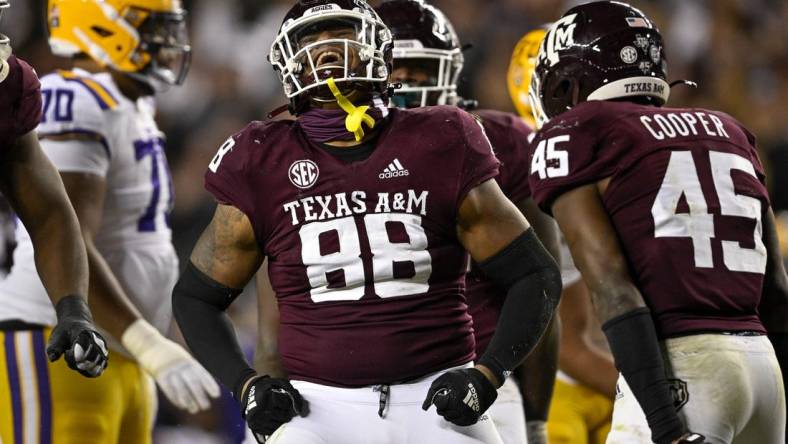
(424, 38)
(598, 51)
(340, 39)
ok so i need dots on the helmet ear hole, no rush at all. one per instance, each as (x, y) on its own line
(101, 31)
(562, 89)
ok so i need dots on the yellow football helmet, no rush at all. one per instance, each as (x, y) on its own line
(521, 68)
(146, 39)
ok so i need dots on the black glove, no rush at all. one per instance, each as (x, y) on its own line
(270, 402)
(461, 396)
(76, 336)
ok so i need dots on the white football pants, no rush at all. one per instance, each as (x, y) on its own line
(730, 387)
(350, 416)
(508, 413)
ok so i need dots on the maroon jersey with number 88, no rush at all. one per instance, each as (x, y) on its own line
(686, 197)
(363, 257)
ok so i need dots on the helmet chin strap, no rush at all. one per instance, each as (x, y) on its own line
(355, 114)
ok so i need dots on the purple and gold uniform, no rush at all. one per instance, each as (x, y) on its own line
(20, 96)
(509, 136)
(686, 195)
(363, 257)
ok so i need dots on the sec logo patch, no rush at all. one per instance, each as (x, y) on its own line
(303, 173)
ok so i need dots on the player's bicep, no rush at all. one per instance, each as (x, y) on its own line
(30, 181)
(488, 222)
(544, 226)
(596, 250)
(227, 250)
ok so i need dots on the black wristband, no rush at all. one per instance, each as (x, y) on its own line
(72, 306)
(635, 347)
(533, 283)
(238, 387)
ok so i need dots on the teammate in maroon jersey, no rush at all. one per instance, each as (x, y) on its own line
(34, 189)
(668, 219)
(428, 61)
(366, 242)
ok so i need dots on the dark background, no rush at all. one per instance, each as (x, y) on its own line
(736, 50)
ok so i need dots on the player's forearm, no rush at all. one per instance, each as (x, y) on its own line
(266, 354)
(533, 284)
(269, 364)
(633, 342)
(588, 365)
(537, 374)
(198, 304)
(111, 307)
(36, 194)
(59, 256)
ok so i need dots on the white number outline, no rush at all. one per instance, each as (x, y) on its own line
(348, 259)
(681, 178)
(226, 147)
(546, 151)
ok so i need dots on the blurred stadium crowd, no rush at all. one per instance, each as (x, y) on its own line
(736, 50)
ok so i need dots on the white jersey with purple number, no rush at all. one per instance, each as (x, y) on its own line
(89, 127)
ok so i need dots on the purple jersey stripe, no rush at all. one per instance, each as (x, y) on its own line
(44, 394)
(13, 383)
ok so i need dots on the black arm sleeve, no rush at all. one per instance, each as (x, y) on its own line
(198, 303)
(533, 283)
(633, 342)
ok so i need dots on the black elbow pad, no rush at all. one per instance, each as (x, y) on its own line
(524, 257)
(195, 284)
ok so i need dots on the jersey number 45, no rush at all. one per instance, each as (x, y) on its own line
(681, 179)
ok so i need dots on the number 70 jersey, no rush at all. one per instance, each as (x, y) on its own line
(686, 197)
(125, 147)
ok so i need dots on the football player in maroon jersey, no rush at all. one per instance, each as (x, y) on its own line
(34, 189)
(365, 215)
(428, 61)
(585, 384)
(667, 216)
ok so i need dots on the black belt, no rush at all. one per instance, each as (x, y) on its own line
(16, 324)
(742, 333)
(715, 332)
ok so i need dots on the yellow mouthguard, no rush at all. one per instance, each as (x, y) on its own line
(355, 114)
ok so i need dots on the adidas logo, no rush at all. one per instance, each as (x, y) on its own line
(395, 169)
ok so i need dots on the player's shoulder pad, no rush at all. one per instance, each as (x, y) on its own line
(741, 133)
(28, 76)
(500, 123)
(76, 103)
(252, 142)
(592, 117)
(440, 115)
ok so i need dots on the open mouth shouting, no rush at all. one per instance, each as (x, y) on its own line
(329, 58)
